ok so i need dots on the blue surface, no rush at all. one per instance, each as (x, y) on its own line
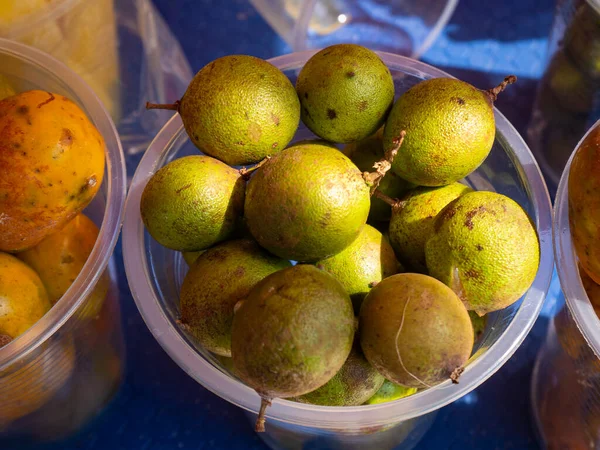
(159, 407)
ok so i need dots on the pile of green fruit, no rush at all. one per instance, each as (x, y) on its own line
(286, 276)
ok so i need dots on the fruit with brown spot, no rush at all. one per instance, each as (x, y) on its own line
(413, 218)
(193, 203)
(346, 92)
(239, 109)
(474, 250)
(51, 166)
(450, 130)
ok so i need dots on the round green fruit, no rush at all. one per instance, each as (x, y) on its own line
(486, 249)
(218, 279)
(413, 218)
(363, 264)
(450, 130)
(415, 331)
(307, 203)
(346, 92)
(239, 109)
(192, 203)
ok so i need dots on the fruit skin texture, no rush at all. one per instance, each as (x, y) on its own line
(240, 109)
(216, 281)
(307, 203)
(51, 166)
(193, 203)
(354, 384)
(364, 263)
(427, 323)
(23, 298)
(412, 221)
(59, 258)
(346, 92)
(450, 130)
(293, 332)
(584, 203)
(364, 154)
(486, 249)
(390, 391)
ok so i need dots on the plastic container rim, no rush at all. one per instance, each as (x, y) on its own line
(138, 273)
(115, 179)
(566, 262)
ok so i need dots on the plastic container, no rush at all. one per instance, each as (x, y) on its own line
(155, 275)
(568, 98)
(67, 366)
(566, 378)
(402, 27)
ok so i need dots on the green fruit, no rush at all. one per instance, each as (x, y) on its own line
(307, 203)
(240, 109)
(363, 264)
(573, 90)
(582, 40)
(450, 129)
(413, 219)
(390, 391)
(190, 257)
(479, 323)
(346, 92)
(293, 333)
(220, 278)
(415, 331)
(354, 384)
(193, 203)
(486, 249)
(365, 154)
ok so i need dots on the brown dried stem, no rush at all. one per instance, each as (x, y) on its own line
(260, 421)
(493, 93)
(246, 172)
(170, 106)
(389, 200)
(384, 165)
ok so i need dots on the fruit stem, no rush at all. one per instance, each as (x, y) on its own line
(493, 93)
(456, 373)
(260, 421)
(244, 172)
(170, 106)
(385, 164)
(389, 200)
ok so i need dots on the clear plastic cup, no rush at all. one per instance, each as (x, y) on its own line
(80, 33)
(66, 367)
(403, 27)
(155, 275)
(568, 97)
(566, 378)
